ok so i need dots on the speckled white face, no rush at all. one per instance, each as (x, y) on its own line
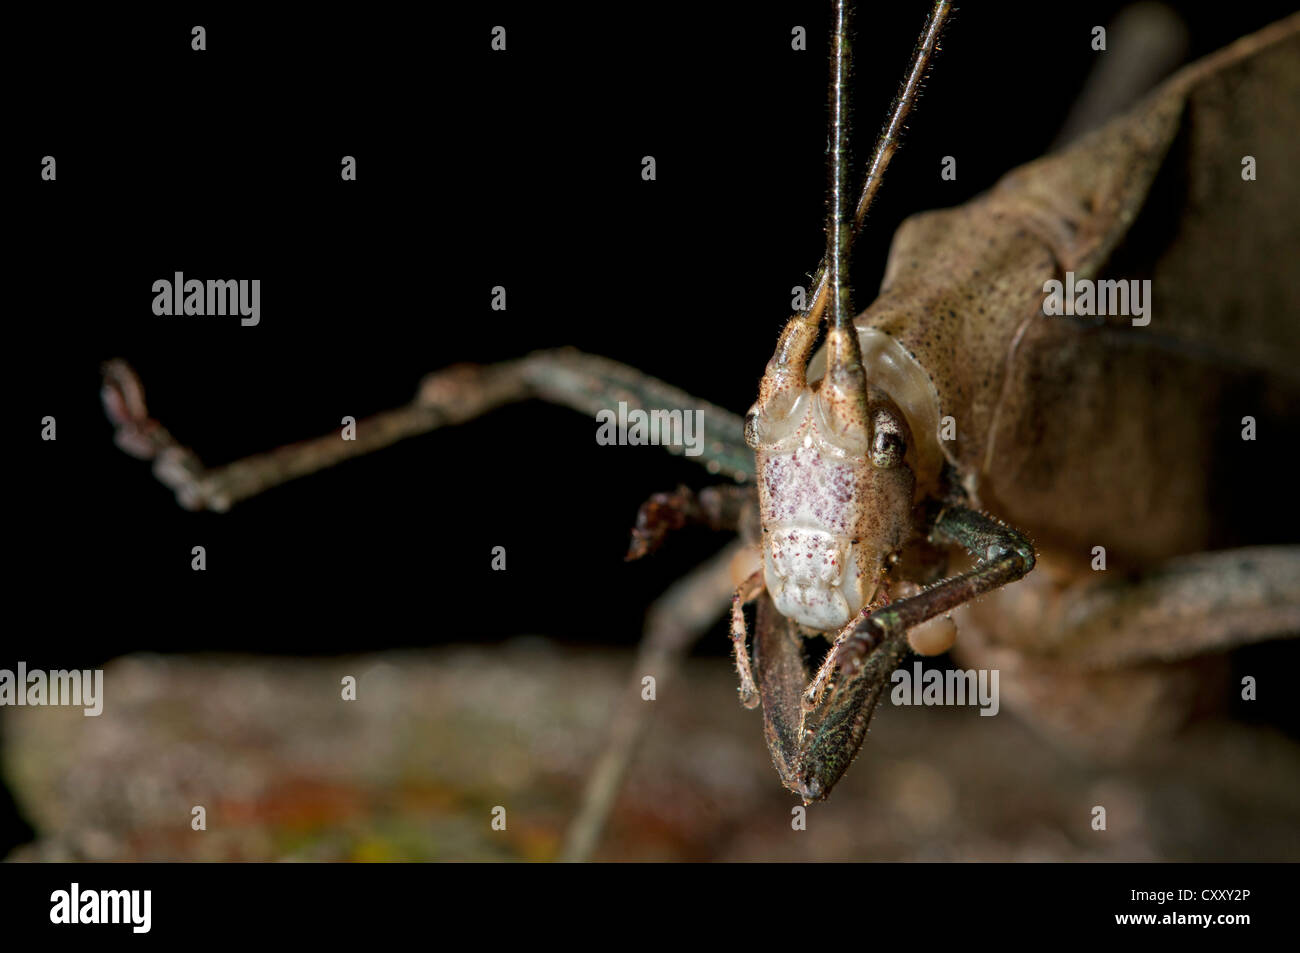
(806, 571)
(829, 517)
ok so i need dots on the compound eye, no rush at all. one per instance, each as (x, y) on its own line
(887, 449)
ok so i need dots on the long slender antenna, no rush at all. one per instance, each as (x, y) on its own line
(839, 233)
(785, 376)
(889, 139)
(843, 394)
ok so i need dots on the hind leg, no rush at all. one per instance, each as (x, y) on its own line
(1105, 666)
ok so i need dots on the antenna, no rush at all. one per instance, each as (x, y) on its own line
(786, 372)
(890, 136)
(839, 232)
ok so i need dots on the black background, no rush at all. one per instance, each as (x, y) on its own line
(475, 169)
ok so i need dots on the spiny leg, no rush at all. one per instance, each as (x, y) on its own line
(811, 750)
(583, 382)
(454, 395)
(673, 623)
(1186, 606)
(835, 730)
(715, 507)
(1004, 555)
(1149, 41)
(779, 665)
(746, 593)
(1116, 662)
(933, 637)
(812, 696)
(831, 728)
(589, 384)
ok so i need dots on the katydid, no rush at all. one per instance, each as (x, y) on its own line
(954, 420)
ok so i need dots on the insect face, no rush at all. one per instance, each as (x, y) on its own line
(833, 502)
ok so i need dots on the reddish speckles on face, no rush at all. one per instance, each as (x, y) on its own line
(829, 519)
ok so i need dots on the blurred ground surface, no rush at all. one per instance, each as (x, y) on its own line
(435, 740)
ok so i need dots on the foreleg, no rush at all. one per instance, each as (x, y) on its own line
(815, 733)
(1004, 555)
(454, 395)
(715, 507)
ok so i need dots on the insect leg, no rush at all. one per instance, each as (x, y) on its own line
(812, 749)
(590, 384)
(1186, 606)
(673, 623)
(779, 664)
(1149, 41)
(717, 507)
(746, 593)
(1004, 556)
(836, 730)
(451, 396)
(1115, 663)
